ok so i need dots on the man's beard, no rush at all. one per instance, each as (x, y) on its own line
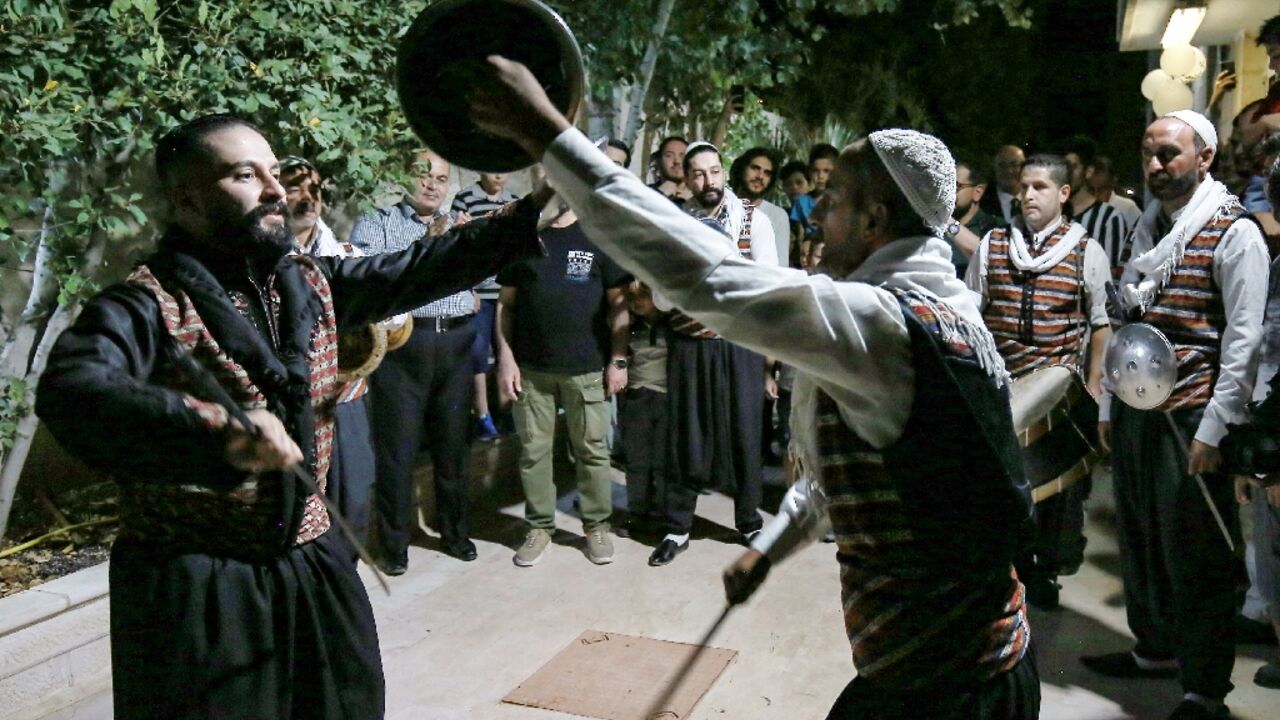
(1165, 186)
(962, 210)
(710, 197)
(261, 241)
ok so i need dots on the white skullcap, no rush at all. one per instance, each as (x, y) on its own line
(1200, 124)
(924, 171)
(699, 144)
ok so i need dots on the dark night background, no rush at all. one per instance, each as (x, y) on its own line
(986, 84)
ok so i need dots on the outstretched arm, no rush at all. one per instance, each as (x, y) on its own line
(851, 337)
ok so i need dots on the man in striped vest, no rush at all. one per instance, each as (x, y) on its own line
(901, 416)
(715, 389)
(231, 596)
(1199, 275)
(1043, 286)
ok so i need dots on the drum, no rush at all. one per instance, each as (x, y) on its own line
(1056, 421)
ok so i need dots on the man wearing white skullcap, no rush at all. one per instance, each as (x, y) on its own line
(1199, 275)
(903, 438)
(715, 388)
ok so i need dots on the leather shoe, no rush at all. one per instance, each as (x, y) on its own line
(1124, 665)
(394, 567)
(667, 551)
(1251, 632)
(464, 550)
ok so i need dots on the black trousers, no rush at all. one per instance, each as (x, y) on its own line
(351, 467)
(642, 414)
(424, 386)
(1058, 548)
(1013, 695)
(1179, 584)
(715, 391)
(194, 637)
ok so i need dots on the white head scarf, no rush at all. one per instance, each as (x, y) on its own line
(923, 169)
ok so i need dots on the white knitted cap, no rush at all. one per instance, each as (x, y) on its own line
(924, 171)
(1205, 129)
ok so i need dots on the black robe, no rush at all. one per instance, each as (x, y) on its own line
(201, 635)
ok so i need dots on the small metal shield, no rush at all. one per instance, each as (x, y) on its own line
(1140, 366)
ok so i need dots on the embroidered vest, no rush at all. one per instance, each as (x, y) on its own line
(1038, 320)
(245, 520)
(1189, 311)
(685, 325)
(926, 528)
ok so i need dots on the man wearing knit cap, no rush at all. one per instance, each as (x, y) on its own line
(715, 389)
(1199, 275)
(902, 426)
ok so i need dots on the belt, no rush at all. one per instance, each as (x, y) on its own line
(440, 324)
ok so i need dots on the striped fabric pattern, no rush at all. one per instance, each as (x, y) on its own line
(475, 202)
(1189, 311)
(686, 325)
(394, 229)
(910, 624)
(1107, 225)
(234, 521)
(1038, 320)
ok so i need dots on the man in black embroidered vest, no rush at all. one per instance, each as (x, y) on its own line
(715, 388)
(1043, 287)
(1199, 275)
(901, 416)
(230, 596)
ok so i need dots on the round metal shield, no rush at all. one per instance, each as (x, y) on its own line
(1140, 367)
(444, 52)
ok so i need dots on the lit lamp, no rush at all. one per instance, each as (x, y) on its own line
(1182, 27)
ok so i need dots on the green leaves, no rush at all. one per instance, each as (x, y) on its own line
(15, 403)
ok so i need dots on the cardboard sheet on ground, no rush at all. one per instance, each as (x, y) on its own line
(618, 677)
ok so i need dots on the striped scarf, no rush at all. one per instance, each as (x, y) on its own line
(722, 220)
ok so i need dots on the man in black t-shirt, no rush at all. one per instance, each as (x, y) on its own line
(562, 341)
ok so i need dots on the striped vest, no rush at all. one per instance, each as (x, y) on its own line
(1038, 320)
(239, 520)
(927, 527)
(1190, 312)
(686, 325)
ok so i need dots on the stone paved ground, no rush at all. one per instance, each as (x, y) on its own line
(456, 636)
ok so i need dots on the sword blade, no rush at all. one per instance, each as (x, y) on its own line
(659, 710)
(213, 391)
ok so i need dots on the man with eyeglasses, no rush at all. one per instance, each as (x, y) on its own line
(970, 222)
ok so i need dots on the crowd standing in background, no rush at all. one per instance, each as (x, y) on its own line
(874, 318)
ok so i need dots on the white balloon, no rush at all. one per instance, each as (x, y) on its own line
(1153, 82)
(1202, 63)
(1174, 96)
(1178, 60)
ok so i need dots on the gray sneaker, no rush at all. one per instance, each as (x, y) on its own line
(599, 546)
(535, 545)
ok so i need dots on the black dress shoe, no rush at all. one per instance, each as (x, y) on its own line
(667, 551)
(1252, 632)
(464, 550)
(394, 567)
(1123, 665)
